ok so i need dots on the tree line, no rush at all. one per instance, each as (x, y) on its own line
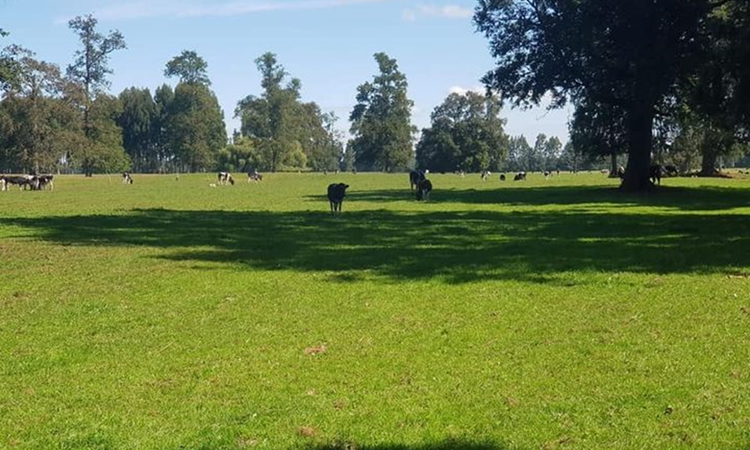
(650, 80)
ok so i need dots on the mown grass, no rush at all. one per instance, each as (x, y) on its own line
(543, 314)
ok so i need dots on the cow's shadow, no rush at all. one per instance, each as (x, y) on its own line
(453, 246)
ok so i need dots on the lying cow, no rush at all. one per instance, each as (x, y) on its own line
(336, 193)
(254, 176)
(424, 189)
(225, 177)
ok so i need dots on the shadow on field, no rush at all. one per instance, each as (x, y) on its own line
(679, 198)
(453, 246)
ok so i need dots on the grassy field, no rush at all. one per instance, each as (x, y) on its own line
(531, 315)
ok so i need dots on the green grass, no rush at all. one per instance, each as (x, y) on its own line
(520, 315)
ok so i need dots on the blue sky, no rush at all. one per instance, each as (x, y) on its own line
(328, 44)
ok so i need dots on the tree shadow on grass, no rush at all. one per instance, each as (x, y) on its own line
(678, 198)
(455, 247)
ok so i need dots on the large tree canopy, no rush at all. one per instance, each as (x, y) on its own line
(628, 55)
(381, 120)
(466, 134)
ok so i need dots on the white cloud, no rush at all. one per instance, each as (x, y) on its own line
(196, 8)
(444, 12)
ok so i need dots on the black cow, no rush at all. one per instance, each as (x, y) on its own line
(226, 177)
(415, 177)
(502, 177)
(670, 171)
(520, 176)
(336, 193)
(126, 178)
(655, 174)
(424, 189)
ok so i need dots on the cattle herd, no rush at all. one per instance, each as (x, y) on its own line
(25, 182)
(420, 185)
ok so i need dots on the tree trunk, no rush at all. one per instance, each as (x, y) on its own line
(613, 166)
(640, 129)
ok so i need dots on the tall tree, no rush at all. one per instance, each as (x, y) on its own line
(624, 54)
(139, 133)
(189, 67)
(466, 134)
(381, 120)
(90, 67)
(287, 132)
(38, 119)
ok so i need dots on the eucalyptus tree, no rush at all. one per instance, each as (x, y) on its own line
(138, 120)
(381, 120)
(194, 126)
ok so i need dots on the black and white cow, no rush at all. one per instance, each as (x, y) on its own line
(424, 189)
(254, 176)
(225, 177)
(22, 181)
(486, 175)
(336, 194)
(520, 176)
(40, 182)
(127, 178)
(415, 177)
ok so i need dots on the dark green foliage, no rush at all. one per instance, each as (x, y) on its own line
(139, 123)
(189, 67)
(466, 134)
(286, 131)
(624, 55)
(381, 120)
(194, 127)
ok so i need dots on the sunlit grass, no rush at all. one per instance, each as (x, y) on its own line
(520, 315)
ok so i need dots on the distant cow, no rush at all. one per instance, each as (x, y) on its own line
(22, 181)
(225, 177)
(415, 177)
(424, 189)
(620, 173)
(670, 171)
(655, 173)
(486, 175)
(336, 194)
(547, 174)
(254, 176)
(126, 178)
(520, 176)
(41, 182)
(502, 177)
(3, 184)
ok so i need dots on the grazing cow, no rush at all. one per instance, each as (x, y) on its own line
(226, 177)
(655, 174)
(486, 175)
(502, 177)
(336, 193)
(42, 181)
(620, 172)
(424, 189)
(255, 176)
(415, 177)
(126, 178)
(520, 176)
(22, 181)
(670, 171)
(547, 173)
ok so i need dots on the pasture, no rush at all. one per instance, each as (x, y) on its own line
(545, 314)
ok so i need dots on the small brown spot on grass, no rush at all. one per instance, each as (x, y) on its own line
(244, 443)
(339, 404)
(307, 431)
(746, 310)
(512, 402)
(315, 350)
(312, 392)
